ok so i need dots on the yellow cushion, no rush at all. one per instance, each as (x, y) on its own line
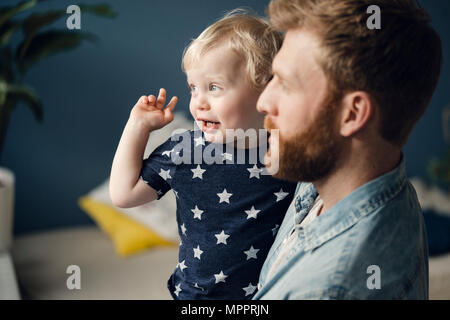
(129, 237)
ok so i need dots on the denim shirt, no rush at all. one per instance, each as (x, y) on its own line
(370, 245)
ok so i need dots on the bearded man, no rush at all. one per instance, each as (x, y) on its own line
(345, 98)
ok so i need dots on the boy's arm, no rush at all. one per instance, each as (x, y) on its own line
(125, 186)
(126, 189)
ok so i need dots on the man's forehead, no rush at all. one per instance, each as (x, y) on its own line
(302, 38)
(298, 53)
(282, 63)
(285, 64)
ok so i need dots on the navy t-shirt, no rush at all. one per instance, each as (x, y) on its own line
(228, 214)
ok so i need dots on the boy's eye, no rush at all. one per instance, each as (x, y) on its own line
(193, 88)
(213, 87)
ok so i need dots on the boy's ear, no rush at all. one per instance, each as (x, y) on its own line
(357, 109)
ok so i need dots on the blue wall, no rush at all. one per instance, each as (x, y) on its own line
(88, 93)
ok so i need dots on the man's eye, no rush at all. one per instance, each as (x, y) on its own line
(283, 85)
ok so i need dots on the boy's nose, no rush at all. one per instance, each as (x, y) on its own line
(202, 103)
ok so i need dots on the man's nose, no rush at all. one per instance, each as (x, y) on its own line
(265, 103)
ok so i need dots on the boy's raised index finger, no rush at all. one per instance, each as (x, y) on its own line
(171, 105)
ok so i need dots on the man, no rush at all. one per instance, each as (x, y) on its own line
(345, 99)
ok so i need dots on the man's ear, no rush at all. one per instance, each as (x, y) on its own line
(357, 110)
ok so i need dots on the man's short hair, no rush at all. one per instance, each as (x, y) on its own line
(398, 65)
(250, 36)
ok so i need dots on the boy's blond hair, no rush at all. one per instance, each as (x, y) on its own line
(250, 36)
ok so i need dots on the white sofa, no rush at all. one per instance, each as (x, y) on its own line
(8, 281)
(41, 261)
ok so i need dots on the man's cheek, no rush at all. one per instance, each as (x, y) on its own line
(272, 157)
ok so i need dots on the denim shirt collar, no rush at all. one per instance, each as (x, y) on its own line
(349, 210)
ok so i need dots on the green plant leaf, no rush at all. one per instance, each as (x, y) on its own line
(6, 64)
(8, 30)
(23, 93)
(8, 12)
(3, 91)
(34, 23)
(48, 43)
(29, 97)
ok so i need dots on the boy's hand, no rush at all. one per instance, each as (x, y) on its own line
(150, 112)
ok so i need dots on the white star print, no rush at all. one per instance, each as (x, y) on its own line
(199, 141)
(197, 213)
(159, 192)
(224, 196)
(251, 253)
(182, 265)
(280, 195)
(165, 174)
(197, 252)
(198, 172)
(222, 237)
(176, 193)
(250, 289)
(178, 289)
(254, 172)
(220, 277)
(252, 212)
(183, 229)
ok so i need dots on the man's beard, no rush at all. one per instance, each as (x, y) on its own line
(312, 154)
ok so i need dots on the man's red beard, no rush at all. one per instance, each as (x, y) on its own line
(311, 154)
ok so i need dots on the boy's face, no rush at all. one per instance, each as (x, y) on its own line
(221, 94)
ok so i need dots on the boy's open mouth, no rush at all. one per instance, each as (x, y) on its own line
(208, 125)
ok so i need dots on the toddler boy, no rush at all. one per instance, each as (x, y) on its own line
(228, 210)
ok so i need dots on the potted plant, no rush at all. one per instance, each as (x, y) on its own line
(34, 45)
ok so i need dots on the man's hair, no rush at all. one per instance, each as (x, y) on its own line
(251, 37)
(397, 65)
